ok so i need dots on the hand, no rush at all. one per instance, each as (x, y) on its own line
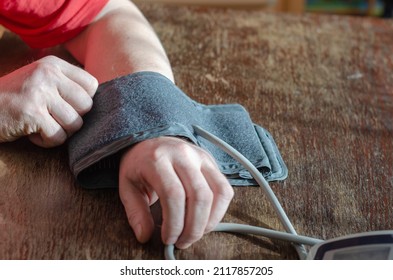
(193, 193)
(45, 101)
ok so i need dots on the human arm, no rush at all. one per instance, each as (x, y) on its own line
(118, 42)
(194, 195)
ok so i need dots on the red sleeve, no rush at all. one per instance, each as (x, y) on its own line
(46, 23)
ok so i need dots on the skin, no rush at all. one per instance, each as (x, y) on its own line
(46, 100)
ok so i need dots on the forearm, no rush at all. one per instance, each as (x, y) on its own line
(119, 42)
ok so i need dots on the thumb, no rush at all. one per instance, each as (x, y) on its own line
(137, 207)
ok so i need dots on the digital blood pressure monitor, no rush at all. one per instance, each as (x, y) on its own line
(377, 245)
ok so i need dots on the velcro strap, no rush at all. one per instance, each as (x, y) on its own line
(146, 105)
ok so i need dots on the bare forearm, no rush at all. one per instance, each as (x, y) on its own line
(193, 193)
(119, 42)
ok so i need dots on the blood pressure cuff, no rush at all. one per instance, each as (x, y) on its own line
(146, 105)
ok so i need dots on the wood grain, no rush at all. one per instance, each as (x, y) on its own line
(322, 85)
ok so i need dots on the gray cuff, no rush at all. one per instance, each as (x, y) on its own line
(146, 105)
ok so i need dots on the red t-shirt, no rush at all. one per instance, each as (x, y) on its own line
(46, 23)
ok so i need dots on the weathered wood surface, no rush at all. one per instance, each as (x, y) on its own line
(322, 85)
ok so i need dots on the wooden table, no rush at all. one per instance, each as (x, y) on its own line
(322, 85)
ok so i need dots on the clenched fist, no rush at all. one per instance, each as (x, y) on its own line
(45, 101)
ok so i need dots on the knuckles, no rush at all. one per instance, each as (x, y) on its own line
(46, 67)
(174, 193)
(92, 85)
(85, 106)
(201, 195)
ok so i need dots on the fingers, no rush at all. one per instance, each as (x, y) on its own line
(66, 108)
(193, 193)
(75, 96)
(223, 194)
(208, 195)
(65, 115)
(199, 197)
(54, 126)
(49, 132)
(172, 196)
(137, 207)
(142, 184)
(79, 76)
(45, 99)
(75, 89)
(82, 78)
